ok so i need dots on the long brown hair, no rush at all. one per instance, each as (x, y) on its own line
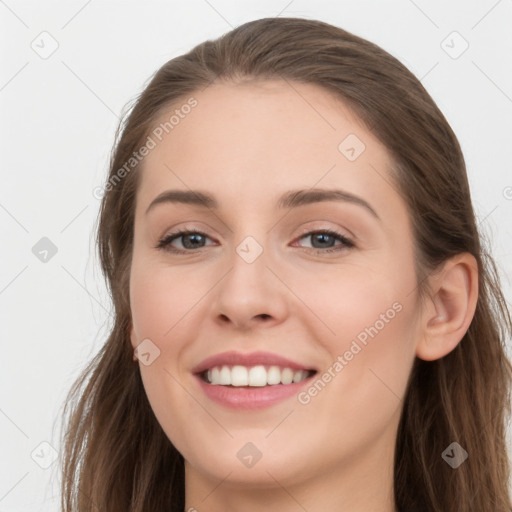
(116, 456)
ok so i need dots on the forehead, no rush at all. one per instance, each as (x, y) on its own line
(249, 142)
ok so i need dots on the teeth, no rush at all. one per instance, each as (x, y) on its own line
(239, 376)
(273, 375)
(256, 376)
(287, 376)
(225, 376)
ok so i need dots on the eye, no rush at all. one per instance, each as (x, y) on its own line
(326, 237)
(190, 240)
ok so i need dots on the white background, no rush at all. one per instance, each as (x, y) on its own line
(58, 117)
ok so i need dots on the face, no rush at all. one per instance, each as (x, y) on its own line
(325, 286)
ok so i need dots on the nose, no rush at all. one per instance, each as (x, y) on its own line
(250, 295)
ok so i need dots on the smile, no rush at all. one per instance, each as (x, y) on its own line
(256, 376)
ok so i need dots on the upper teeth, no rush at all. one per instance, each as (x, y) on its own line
(254, 376)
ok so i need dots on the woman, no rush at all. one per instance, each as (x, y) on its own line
(249, 365)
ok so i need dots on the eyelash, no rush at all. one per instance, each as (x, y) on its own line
(164, 243)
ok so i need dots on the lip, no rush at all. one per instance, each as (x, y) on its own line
(232, 358)
(250, 397)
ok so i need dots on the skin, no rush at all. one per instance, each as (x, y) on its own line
(247, 144)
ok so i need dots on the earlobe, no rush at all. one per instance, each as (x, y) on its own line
(133, 341)
(447, 317)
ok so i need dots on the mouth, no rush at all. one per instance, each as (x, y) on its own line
(251, 381)
(254, 376)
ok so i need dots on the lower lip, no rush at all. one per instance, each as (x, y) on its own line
(251, 397)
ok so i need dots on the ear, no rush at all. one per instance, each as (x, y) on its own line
(447, 317)
(133, 341)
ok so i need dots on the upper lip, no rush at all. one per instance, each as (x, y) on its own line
(248, 359)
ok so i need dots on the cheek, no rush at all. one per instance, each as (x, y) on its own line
(160, 301)
(368, 328)
(159, 298)
(356, 302)
(371, 355)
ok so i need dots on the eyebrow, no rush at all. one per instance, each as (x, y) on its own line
(290, 199)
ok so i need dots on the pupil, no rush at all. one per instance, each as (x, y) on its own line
(322, 237)
(195, 236)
